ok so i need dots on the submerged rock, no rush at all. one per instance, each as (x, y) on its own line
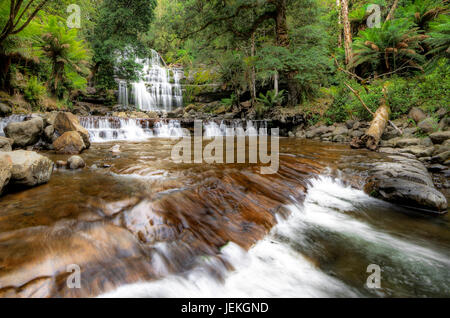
(25, 133)
(29, 168)
(69, 143)
(405, 181)
(75, 162)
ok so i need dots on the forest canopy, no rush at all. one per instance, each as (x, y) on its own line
(288, 53)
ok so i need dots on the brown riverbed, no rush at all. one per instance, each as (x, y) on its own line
(139, 217)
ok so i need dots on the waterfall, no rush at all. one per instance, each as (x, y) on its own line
(252, 128)
(159, 88)
(105, 129)
(123, 93)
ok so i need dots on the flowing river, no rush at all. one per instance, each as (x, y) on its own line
(139, 225)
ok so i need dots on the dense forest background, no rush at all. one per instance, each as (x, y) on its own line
(301, 54)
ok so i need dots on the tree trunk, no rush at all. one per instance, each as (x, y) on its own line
(253, 76)
(5, 64)
(372, 137)
(282, 38)
(275, 83)
(338, 6)
(392, 11)
(347, 33)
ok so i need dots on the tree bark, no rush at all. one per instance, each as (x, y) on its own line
(372, 137)
(5, 64)
(390, 16)
(253, 75)
(347, 33)
(338, 6)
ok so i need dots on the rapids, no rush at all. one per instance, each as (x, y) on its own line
(139, 225)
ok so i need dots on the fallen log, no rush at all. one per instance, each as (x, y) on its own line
(372, 137)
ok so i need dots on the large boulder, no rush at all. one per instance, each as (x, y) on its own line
(417, 114)
(5, 171)
(29, 168)
(25, 133)
(405, 181)
(70, 142)
(6, 144)
(65, 122)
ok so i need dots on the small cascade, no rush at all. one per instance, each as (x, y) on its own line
(105, 129)
(158, 90)
(11, 119)
(236, 128)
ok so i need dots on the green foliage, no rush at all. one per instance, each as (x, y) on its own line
(34, 92)
(439, 38)
(393, 47)
(67, 55)
(271, 98)
(117, 39)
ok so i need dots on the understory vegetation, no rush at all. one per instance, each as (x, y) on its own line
(271, 53)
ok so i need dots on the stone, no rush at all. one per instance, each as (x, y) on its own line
(428, 125)
(441, 112)
(417, 114)
(75, 162)
(5, 171)
(436, 168)
(341, 130)
(357, 133)
(69, 143)
(418, 151)
(65, 122)
(405, 181)
(440, 136)
(409, 132)
(61, 164)
(317, 132)
(350, 123)
(406, 142)
(49, 133)
(444, 124)
(5, 110)
(441, 158)
(441, 148)
(340, 138)
(29, 168)
(25, 133)
(6, 144)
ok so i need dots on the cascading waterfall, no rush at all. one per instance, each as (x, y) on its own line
(159, 88)
(236, 128)
(104, 129)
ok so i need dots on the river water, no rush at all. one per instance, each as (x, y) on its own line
(139, 225)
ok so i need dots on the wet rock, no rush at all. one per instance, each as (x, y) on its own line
(418, 151)
(428, 125)
(441, 158)
(417, 114)
(407, 142)
(436, 168)
(5, 110)
(357, 133)
(440, 136)
(75, 162)
(340, 130)
(316, 132)
(405, 181)
(350, 123)
(49, 134)
(5, 171)
(60, 164)
(29, 168)
(25, 133)
(6, 144)
(340, 138)
(444, 124)
(66, 122)
(115, 150)
(69, 143)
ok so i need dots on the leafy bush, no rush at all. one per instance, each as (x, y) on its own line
(271, 98)
(34, 92)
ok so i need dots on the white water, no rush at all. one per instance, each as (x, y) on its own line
(104, 129)
(274, 267)
(252, 128)
(157, 90)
